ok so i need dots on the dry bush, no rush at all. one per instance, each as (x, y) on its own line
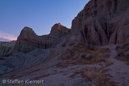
(71, 43)
(79, 45)
(90, 76)
(72, 76)
(122, 46)
(103, 52)
(72, 56)
(108, 62)
(62, 65)
(68, 54)
(93, 73)
(121, 50)
(104, 81)
(90, 73)
(122, 57)
(76, 55)
(92, 60)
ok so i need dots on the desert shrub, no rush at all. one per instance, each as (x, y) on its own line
(93, 73)
(68, 54)
(63, 64)
(123, 52)
(76, 56)
(79, 45)
(90, 73)
(80, 55)
(71, 43)
(108, 62)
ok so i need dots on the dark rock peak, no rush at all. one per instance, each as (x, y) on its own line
(27, 34)
(59, 26)
(27, 30)
(59, 30)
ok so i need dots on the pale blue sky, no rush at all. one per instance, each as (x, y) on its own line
(40, 15)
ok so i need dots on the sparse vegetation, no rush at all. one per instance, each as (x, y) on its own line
(73, 56)
(94, 73)
(108, 63)
(123, 52)
(71, 43)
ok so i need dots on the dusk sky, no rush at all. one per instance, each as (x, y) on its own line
(40, 15)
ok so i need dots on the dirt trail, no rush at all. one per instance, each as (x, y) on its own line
(118, 70)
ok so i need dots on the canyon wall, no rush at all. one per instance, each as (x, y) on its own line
(102, 22)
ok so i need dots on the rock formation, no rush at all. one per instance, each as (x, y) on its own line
(67, 55)
(102, 22)
(6, 48)
(28, 40)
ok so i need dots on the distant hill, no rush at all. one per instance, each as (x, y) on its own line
(1, 39)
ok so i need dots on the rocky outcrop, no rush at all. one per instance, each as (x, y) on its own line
(28, 40)
(21, 60)
(120, 25)
(102, 22)
(6, 48)
(59, 30)
(28, 34)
